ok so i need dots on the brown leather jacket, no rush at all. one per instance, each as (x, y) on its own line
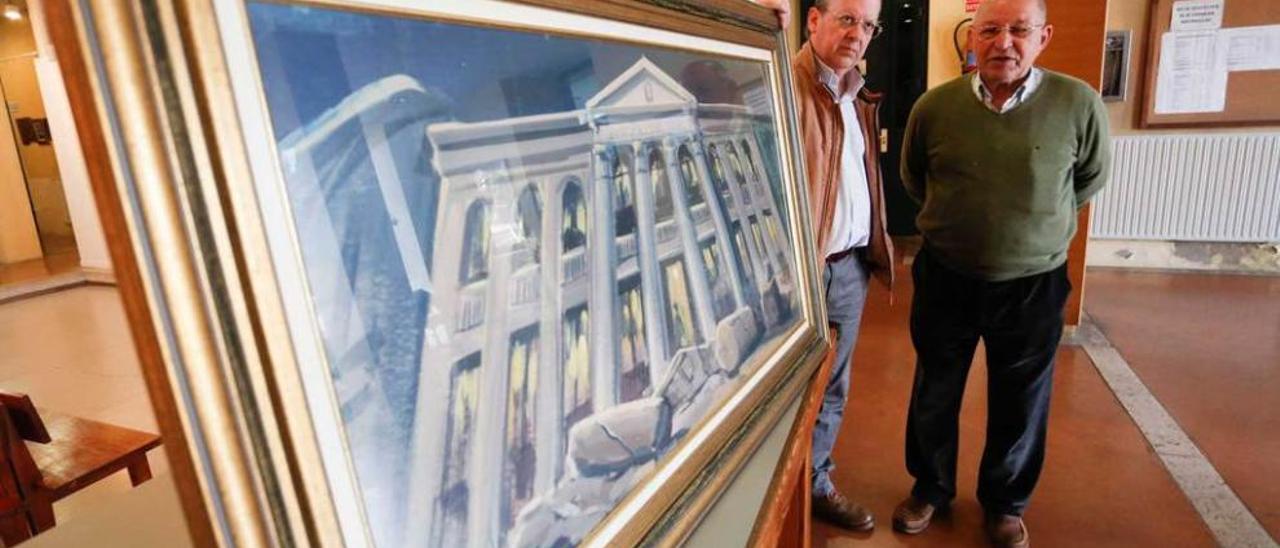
(822, 136)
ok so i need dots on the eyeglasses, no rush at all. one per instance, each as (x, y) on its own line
(990, 32)
(846, 22)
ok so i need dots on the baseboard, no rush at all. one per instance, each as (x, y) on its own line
(1218, 257)
(57, 282)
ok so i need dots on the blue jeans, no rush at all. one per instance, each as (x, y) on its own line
(845, 284)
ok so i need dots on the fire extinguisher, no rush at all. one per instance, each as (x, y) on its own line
(968, 59)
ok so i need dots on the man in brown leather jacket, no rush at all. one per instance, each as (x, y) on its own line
(840, 134)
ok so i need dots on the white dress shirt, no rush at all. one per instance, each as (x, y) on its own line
(1019, 95)
(851, 225)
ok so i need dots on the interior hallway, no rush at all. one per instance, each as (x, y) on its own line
(71, 351)
(1208, 349)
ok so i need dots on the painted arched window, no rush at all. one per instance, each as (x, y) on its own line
(521, 428)
(529, 217)
(459, 438)
(751, 165)
(735, 164)
(624, 194)
(575, 362)
(573, 233)
(689, 174)
(718, 178)
(475, 244)
(663, 209)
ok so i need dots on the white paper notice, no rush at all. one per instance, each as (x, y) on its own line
(1253, 48)
(1196, 15)
(1193, 73)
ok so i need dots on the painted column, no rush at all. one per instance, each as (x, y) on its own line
(603, 298)
(488, 447)
(723, 235)
(549, 416)
(655, 326)
(689, 240)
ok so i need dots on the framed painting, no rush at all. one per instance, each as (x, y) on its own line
(474, 272)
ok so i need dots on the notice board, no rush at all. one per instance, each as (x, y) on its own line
(1212, 63)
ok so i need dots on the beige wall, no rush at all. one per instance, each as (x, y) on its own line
(23, 93)
(91, 241)
(944, 15)
(18, 238)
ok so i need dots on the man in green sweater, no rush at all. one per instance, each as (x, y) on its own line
(1000, 162)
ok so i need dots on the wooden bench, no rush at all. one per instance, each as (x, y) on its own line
(46, 456)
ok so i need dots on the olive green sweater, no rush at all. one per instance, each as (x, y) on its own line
(999, 192)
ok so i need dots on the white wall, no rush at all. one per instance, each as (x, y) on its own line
(90, 239)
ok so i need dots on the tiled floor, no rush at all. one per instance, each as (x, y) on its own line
(1207, 347)
(70, 351)
(1102, 484)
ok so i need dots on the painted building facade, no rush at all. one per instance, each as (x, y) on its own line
(593, 271)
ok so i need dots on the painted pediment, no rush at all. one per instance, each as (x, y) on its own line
(644, 84)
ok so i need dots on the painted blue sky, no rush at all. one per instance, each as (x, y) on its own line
(311, 58)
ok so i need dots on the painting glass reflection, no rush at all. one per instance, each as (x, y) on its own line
(535, 261)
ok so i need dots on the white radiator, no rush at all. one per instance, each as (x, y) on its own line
(1220, 188)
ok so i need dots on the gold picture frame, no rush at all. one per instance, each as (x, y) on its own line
(222, 284)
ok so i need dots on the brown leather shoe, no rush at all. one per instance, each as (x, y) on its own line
(913, 516)
(1007, 531)
(837, 510)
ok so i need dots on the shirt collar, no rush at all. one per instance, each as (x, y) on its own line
(853, 81)
(1025, 90)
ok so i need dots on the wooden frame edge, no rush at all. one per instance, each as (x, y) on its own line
(65, 33)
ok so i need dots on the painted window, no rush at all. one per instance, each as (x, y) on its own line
(780, 243)
(735, 164)
(760, 247)
(455, 494)
(576, 364)
(743, 252)
(689, 174)
(521, 428)
(529, 219)
(633, 352)
(663, 210)
(721, 293)
(681, 324)
(751, 165)
(573, 232)
(475, 244)
(718, 176)
(624, 194)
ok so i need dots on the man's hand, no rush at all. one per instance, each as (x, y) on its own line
(780, 7)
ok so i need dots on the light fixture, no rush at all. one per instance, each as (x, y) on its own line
(12, 12)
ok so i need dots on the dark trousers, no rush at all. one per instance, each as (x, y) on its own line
(1020, 323)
